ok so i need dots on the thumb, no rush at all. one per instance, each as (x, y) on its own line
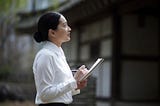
(82, 67)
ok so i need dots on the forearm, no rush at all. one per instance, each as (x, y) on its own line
(51, 91)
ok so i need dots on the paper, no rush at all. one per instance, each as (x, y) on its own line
(96, 64)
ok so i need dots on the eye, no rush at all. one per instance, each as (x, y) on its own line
(65, 24)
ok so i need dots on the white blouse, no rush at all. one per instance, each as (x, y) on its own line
(53, 77)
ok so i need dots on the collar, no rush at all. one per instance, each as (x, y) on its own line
(52, 47)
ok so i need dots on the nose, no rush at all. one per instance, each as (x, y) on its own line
(69, 28)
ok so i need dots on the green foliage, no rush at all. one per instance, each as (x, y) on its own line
(55, 4)
(7, 6)
(4, 5)
(21, 4)
(5, 72)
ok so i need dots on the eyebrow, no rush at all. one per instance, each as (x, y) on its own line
(64, 22)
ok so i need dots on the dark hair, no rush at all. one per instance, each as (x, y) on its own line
(47, 21)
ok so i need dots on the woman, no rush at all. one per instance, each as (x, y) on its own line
(54, 81)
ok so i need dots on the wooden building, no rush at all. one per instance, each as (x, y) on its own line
(126, 33)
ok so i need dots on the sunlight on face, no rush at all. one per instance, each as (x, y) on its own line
(63, 30)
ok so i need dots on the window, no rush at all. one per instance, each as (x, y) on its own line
(95, 49)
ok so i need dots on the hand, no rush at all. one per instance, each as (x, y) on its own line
(80, 73)
(82, 84)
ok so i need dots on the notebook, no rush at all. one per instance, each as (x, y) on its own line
(98, 62)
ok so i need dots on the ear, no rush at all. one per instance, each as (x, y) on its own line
(51, 32)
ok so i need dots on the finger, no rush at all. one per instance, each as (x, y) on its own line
(82, 67)
(83, 84)
(84, 81)
(84, 71)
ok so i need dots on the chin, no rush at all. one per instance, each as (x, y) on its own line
(67, 40)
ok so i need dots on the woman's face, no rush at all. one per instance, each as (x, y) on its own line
(62, 32)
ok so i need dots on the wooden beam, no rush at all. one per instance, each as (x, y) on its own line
(116, 58)
(133, 5)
